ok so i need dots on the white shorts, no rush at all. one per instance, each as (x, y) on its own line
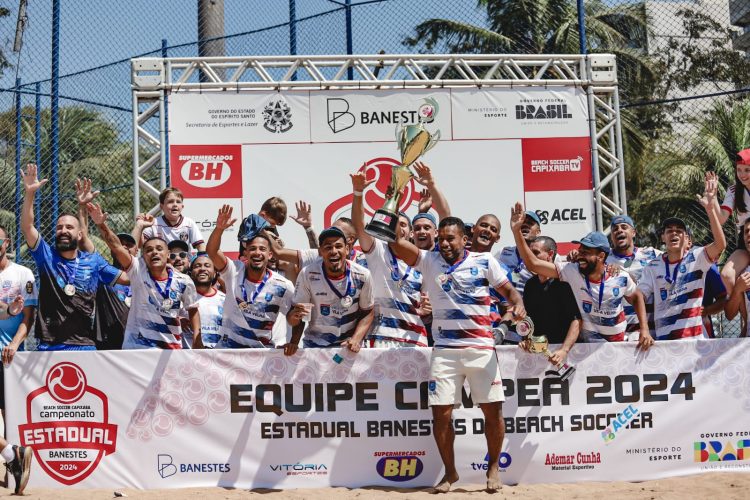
(450, 367)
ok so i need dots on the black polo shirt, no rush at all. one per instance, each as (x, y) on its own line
(552, 306)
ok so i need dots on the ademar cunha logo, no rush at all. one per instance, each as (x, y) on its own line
(68, 425)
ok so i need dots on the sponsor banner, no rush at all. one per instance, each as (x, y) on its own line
(238, 117)
(565, 215)
(255, 418)
(519, 113)
(557, 164)
(213, 171)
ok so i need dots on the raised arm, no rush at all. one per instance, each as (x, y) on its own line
(31, 185)
(304, 219)
(281, 253)
(142, 221)
(425, 178)
(638, 301)
(405, 250)
(84, 195)
(110, 238)
(710, 203)
(533, 264)
(224, 221)
(359, 184)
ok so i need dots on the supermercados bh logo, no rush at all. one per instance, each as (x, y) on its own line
(68, 425)
(277, 116)
(573, 461)
(341, 117)
(543, 109)
(723, 450)
(399, 465)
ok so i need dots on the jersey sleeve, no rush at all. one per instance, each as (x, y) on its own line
(189, 296)
(42, 253)
(306, 257)
(507, 257)
(196, 237)
(423, 262)
(286, 300)
(702, 260)
(302, 293)
(366, 300)
(148, 232)
(646, 284)
(108, 273)
(229, 274)
(497, 274)
(377, 249)
(566, 269)
(728, 203)
(630, 286)
(29, 290)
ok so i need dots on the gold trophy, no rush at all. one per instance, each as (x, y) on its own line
(538, 344)
(413, 142)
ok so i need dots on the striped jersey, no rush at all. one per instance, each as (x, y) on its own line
(331, 321)
(518, 273)
(461, 299)
(678, 297)
(211, 309)
(152, 323)
(728, 204)
(633, 264)
(603, 320)
(186, 230)
(396, 288)
(265, 301)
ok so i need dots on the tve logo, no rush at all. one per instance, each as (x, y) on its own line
(207, 171)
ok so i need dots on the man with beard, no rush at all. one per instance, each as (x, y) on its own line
(676, 280)
(255, 295)
(179, 255)
(210, 303)
(598, 293)
(159, 293)
(458, 283)
(632, 259)
(336, 293)
(399, 303)
(511, 258)
(68, 277)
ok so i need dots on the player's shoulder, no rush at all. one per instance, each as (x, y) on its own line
(508, 251)
(281, 280)
(359, 270)
(180, 277)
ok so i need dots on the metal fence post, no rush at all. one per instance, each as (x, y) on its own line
(165, 146)
(349, 41)
(581, 27)
(18, 170)
(38, 142)
(54, 113)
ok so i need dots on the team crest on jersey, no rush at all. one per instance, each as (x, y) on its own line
(663, 294)
(683, 268)
(417, 274)
(6, 284)
(586, 306)
(615, 291)
(325, 309)
(446, 287)
(474, 271)
(432, 386)
(172, 294)
(29, 287)
(269, 297)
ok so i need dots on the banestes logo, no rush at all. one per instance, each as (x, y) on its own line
(399, 465)
(340, 117)
(68, 425)
(207, 171)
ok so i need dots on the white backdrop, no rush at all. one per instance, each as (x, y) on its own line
(251, 418)
(497, 146)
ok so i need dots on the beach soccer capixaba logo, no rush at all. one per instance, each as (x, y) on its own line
(68, 425)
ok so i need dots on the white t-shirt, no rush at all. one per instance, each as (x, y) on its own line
(186, 230)
(728, 204)
(461, 304)
(396, 288)
(605, 322)
(151, 324)
(211, 309)
(270, 300)
(331, 322)
(677, 305)
(15, 280)
(311, 256)
(633, 265)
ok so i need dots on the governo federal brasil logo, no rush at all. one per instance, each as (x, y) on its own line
(67, 425)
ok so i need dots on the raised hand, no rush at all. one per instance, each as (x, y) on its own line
(710, 190)
(224, 218)
(145, 220)
(359, 181)
(84, 194)
(424, 174)
(30, 181)
(96, 213)
(304, 215)
(517, 217)
(425, 201)
(743, 282)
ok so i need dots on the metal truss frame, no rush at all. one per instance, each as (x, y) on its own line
(152, 79)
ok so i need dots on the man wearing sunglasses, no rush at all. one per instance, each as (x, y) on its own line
(179, 255)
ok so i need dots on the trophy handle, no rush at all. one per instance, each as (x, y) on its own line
(434, 138)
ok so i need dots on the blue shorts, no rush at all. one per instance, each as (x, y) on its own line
(64, 347)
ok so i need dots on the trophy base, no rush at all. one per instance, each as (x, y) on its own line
(565, 370)
(383, 226)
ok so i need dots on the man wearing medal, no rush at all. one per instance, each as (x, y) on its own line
(458, 283)
(68, 277)
(676, 279)
(337, 295)
(158, 292)
(256, 296)
(400, 304)
(599, 294)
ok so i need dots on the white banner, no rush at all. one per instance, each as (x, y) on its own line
(254, 418)
(497, 146)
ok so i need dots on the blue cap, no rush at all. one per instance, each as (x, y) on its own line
(251, 227)
(622, 219)
(424, 215)
(533, 215)
(332, 231)
(595, 239)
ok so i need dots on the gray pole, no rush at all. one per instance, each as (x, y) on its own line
(211, 31)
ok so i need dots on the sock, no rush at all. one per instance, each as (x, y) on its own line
(8, 454)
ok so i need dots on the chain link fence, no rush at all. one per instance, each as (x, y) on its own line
(681, 66)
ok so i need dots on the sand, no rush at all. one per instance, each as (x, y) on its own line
(717, 485)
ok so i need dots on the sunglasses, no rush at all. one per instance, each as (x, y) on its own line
(182, 255)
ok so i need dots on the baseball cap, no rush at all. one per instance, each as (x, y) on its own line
(744, 157)
(622, 219)
(424, 215)
(178, 244)
(251, 227)
(534, 216)
(126, 237)
(595, 239)
(675, 221)
(332, 231)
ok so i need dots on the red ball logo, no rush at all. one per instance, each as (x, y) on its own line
(66, 383)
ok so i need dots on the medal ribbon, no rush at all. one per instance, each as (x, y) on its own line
(628, 258)
(671, 278)
(70, 277)
(601, 288)
(394, 268)
(455, 266)
(257, 290)
(164, 293)
(348, 283)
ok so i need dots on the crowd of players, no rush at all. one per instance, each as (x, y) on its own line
(439, 284)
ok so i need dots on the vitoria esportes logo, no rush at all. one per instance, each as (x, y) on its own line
(68, 425)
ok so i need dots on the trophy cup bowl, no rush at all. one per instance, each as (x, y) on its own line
(539, 344)
(413, 142)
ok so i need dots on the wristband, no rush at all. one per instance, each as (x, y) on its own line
(357, 193)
